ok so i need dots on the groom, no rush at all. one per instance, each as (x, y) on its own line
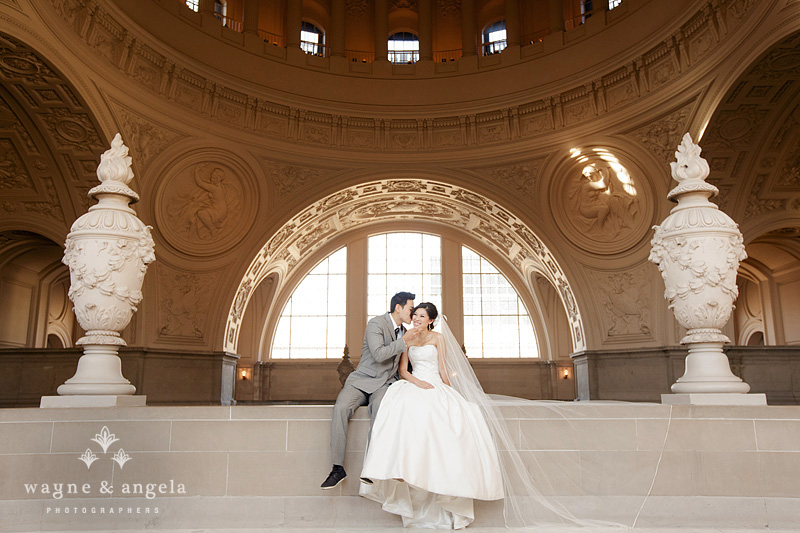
(377, 369)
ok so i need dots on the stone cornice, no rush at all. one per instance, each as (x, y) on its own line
(661, 69)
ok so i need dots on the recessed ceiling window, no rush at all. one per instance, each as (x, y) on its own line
(494, 38)
(312, 39)
(403, 48)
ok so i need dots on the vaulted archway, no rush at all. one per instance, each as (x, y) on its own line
(418, 203)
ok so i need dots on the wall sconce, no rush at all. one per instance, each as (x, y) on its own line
(245, 373)
(566, 373)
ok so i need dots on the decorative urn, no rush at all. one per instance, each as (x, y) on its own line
(697, 249)
(107, 252)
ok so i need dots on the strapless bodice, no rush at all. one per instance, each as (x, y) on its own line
(425, 363)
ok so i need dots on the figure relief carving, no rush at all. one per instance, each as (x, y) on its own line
(184, 302)
(601, 203)
(147, 139)
(204, 207)
(13, 174)
(208, 203)
(626, 302)
(661, 136)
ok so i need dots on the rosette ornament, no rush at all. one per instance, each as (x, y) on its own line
(107, 252)
(698, 249)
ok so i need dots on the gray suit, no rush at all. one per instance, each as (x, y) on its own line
(367, 384)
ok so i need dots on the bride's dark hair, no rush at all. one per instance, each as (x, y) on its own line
(430, 309)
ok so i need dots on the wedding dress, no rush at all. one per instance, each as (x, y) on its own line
(431, 451)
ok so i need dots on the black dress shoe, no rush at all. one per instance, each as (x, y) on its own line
(366, 481)
(336, 476)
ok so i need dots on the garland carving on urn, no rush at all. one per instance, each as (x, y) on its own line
(697, 249)
(107, 252)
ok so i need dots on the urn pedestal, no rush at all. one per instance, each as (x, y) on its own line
(698, 249)
(107, 251)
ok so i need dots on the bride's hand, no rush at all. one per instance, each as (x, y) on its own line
(424, 385)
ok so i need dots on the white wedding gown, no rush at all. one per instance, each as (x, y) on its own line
(431, 451)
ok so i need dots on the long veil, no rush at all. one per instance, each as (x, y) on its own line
(525, 481)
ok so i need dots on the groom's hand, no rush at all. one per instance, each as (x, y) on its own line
(412, 333)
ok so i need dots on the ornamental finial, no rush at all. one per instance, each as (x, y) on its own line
(689, 166)
(115, 163)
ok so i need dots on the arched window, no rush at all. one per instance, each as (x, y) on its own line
(403, 262)
(313, 321)
(403, 48)
(496, 323)
(312, 39)
(312, 325)
(494, 38)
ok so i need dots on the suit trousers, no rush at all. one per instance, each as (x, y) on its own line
(350, 399)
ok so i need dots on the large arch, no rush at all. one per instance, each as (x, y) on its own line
(404, 199)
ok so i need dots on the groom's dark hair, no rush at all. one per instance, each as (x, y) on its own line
(400, 299)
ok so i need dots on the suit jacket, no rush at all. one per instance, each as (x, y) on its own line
(379, 356)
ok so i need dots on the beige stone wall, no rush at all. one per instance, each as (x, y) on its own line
(288, 131)
(260, 466)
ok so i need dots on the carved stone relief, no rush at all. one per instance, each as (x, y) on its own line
(357, 8)
(206, 204)
(596, 202)
(625, 299)
(661, 137)
(51, 207)
(184, 301)
(13, 174)
(288, 178)
(146, 138)
(520, 177)
(449, 8)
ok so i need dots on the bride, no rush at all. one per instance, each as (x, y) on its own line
(431, 451)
